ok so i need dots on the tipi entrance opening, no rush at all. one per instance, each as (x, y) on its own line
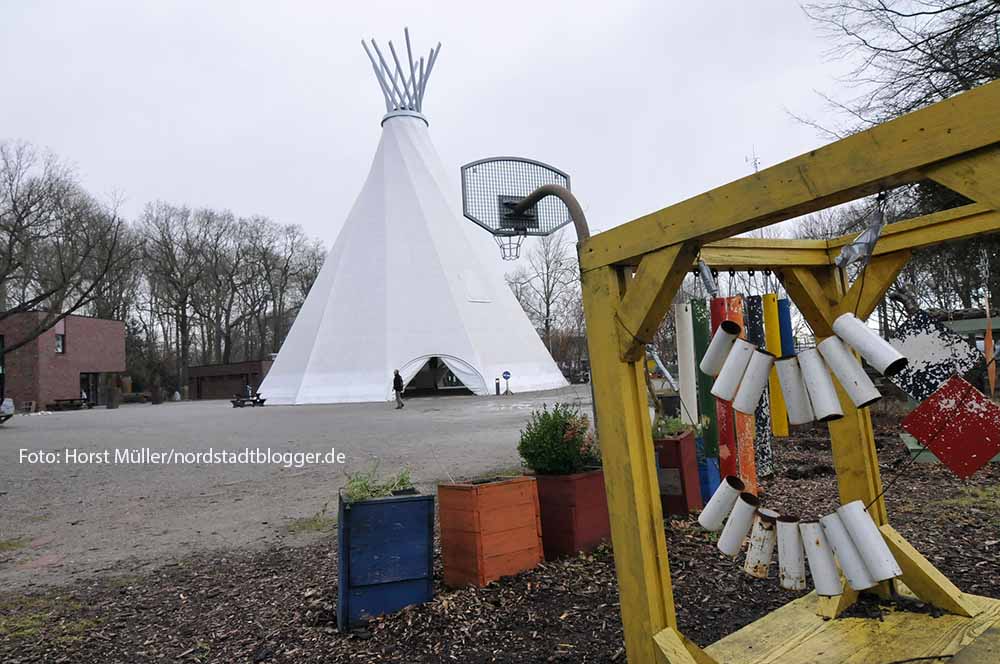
(441, 375)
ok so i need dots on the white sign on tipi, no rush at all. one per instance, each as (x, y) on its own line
(407, 279)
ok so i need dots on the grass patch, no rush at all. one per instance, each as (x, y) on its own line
(13, 544)
(985, 498)
(317, 523)
(23, 617)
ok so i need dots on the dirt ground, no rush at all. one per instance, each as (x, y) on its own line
(278, 604)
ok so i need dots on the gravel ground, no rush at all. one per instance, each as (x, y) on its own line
(277, 604)
(66, 521)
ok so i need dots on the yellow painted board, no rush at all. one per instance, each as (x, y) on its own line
(772, 337)
(795, 634)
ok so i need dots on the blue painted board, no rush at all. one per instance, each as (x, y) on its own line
(785, 326)
(386, 556)
(708, 469)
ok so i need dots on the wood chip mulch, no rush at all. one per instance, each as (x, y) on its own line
(279, 605)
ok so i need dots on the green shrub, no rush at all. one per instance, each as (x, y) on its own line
(558, 441)
(365, 484)
(669, 426)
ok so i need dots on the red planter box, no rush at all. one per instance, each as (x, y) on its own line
(677, 468)
(488, 530)
(574, 510)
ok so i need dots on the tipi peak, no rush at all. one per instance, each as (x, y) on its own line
(403, 84)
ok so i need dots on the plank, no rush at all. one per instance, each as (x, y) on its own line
(723, 409)
(795, 634)
(649, 294)
(924, 579)
(976, 176)
(672, 646)
(890, 154)
(772, 334)
(642, 565)
(744, 426)
(763, 438)
(701, 322)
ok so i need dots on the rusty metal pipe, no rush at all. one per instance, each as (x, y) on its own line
(567, 197)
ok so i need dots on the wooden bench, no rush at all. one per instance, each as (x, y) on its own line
(243, 402)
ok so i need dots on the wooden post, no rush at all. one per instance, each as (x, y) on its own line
(637, 531)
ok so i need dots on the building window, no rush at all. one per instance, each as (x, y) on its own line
(60, 343)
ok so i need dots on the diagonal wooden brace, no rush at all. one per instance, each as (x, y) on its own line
(649, 294)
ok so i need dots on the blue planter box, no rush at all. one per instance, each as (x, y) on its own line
(386, 556)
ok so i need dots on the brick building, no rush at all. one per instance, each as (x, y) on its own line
(78, 354)
(222, 381)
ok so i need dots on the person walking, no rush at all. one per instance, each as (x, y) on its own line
(397, 387)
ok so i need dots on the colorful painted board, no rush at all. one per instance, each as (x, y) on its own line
(708, 441)
(744, 425)
(701, 323)
(785, 325)
(772, 333)
(959, 425)
(723, 409)
(687, 379)
(763, 454)
(935, 354)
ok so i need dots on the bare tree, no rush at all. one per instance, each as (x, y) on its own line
(546, 282)
(57, 243)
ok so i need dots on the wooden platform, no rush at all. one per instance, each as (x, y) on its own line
(794, 634)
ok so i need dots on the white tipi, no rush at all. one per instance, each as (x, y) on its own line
(407, 280)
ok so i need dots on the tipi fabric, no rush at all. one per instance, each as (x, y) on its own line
(407, 279)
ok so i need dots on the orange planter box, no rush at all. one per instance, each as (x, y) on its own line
(489, 530)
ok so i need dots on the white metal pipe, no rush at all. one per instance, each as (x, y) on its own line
(754, 381)
(721, 503)
(851, 563)
(819, 385)
(877, 351)
(738, 524)
(687, 376)
(793, 388)
(869, 541)
(718, 349)
(849, 372)
(761, 547)
(824, 571)
(791, 557)
(728, 381)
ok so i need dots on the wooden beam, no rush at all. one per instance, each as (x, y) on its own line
(925, 580)
(976, 176)
(808, 293)
(753, 254)
(929, 230)
(871, 285)
(679, 650)
(623, 428)
(895, 153)
(832, 607)
(648, 296)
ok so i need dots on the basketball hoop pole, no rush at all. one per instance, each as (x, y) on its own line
(563, 194)
(582, 233)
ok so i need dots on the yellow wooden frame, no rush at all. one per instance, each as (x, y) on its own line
(630, 275)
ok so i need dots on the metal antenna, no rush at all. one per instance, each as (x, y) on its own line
(753, 159)
(403, 85)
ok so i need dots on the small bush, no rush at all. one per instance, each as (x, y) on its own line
(669, 426)
(365, 484)
(558, 441)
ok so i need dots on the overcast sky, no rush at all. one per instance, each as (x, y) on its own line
(272, 108)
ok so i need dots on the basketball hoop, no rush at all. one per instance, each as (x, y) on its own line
(510, 245)
(492, 194)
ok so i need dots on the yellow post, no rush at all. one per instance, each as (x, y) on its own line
(772, 334)
(637, 530)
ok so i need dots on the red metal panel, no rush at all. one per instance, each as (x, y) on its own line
(959, 425)
(723, 409)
